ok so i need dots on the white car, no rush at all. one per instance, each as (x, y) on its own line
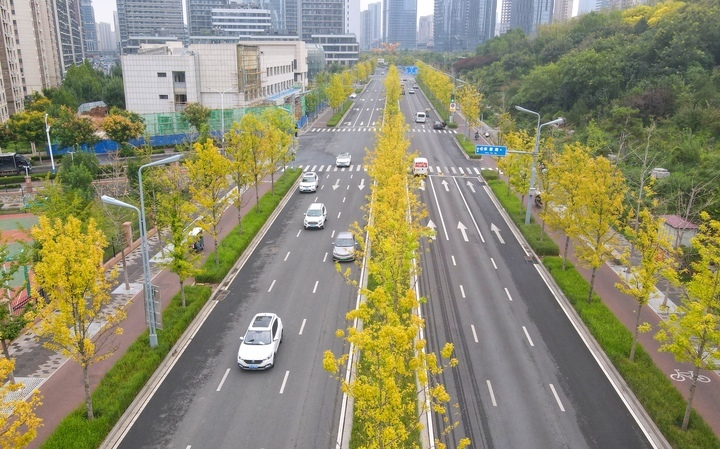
(316, 216)
(343, 160)
(309, 182)
(260, 344)
(412, 91)
(353, 95)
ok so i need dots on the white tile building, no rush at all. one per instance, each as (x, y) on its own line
(165, 78)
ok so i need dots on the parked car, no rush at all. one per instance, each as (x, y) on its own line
(260, 344)
(197, 243)
(353, 95)
(343, 160)
(309, 182)
(439, 125)
(316, 216)
(344, 247)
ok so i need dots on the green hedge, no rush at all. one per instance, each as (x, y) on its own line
(127, 377)
(467, 145)
(335, 119)
(659, 397)
(235, 242)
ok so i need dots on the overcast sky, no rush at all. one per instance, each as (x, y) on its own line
(104, 9)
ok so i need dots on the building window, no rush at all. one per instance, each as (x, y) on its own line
(162, 75)
(163, 97)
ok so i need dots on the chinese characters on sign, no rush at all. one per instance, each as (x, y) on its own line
(491, 150)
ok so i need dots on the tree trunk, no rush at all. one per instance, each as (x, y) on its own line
(257, 194)
(182, 292)
(635, 335)
(11, 375)
(565, 252)
(592, 283)
(215, 242)
(88, 397)
(686, 418)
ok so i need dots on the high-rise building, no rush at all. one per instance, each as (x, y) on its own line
(505, 10)
(68, 28)
(371, 26)
(199, 15)
(106, 37)
(322, 17)
(352, 18)
(149, 21)
(11, 100)
(461, 25)
(89, 30)
(528, 14)
(425, 30)
(400, 23)
(563, 11)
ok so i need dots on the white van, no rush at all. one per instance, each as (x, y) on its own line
(420, 166)
(420, 117)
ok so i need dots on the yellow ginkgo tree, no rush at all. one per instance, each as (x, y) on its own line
(18, 422)
(78, 320)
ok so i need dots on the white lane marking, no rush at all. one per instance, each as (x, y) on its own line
(223, 379)
(462, 291)
(344, 199)
(339, 214)
(437, 204)
(325, 258)
(557, 398)
(508, 294)
(298, 234)
(332, 234)
(286, 256)
(453, 259)
(271, 285)
(472, 217)
(302, 326)
(492, 394)
(315, 288)
(493, 262)
(528, 336)
(282, 387)
(472, 326)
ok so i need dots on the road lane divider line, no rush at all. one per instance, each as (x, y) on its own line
(315, 287)
(282, 387)
(508, 294)
(528, 336)
(462, 291)
(272, 284)
(298, 234)
(557, 398)
(286, 256)
(325, 257)
(492, 394)
(493, 262)
(472, 217)
(453, 260)
(437, 204)
(472, 327)
(227, 371)
(302, 326)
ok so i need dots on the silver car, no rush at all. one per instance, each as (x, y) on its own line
(343, 160)
(344, 247)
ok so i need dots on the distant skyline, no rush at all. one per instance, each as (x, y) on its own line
(104, 9)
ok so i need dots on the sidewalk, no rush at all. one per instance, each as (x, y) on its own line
(58, 379)
(707, 395)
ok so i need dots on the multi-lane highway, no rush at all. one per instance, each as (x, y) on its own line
(525, 378)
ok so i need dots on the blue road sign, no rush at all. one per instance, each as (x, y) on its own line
(411, 70)
(490, 150)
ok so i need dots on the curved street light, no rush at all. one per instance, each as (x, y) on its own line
(531, 193)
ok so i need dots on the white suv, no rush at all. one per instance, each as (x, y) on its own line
(261, 342)
(316, 216)
(309, 182)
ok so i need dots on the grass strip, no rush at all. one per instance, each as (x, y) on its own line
(335, 119)
(651, 386)
(122, 383)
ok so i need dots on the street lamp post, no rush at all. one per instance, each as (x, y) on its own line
(147, 287)
(222, 112)
(531, 193)
(47, 133)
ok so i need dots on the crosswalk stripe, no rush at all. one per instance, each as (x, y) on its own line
(453, 170)
(461, 170)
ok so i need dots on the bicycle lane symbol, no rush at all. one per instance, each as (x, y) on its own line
(681, 376)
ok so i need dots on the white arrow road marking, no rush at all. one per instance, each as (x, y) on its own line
(362, 184)
(432, 226)
(445, 184)
(472, 187)
(437, 203)
(462, 229)
(337, 184)
(496, 230)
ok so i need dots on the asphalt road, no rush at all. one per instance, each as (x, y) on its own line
(206, 401)
(525, 379)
